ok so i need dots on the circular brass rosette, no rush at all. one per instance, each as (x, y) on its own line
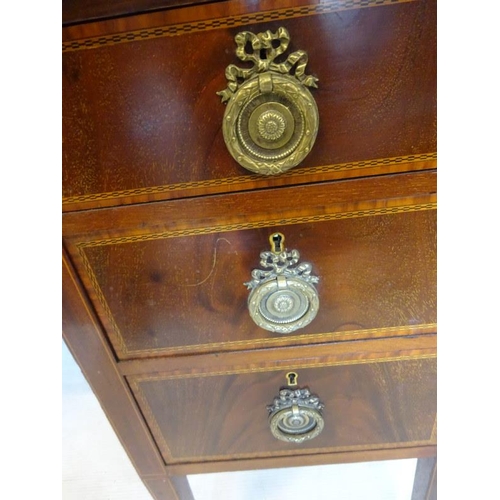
(283, 305)
(270, 123)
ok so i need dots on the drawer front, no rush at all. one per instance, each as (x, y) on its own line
(142, 121)
(177, 284)
(75, 11)
(370, 402)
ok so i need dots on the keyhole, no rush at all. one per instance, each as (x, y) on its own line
(277, 240)
(292, 378)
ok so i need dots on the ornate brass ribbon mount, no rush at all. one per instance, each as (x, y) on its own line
(271, 119)
(283, 297)
(295, 415)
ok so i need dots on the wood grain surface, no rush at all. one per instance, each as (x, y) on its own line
(305, 203)
(341, 457)
(162, 227)
(203, 17)
(79, 11)
(83, 336)
(182, 291)
(130, 109)
(369, 404)
(175, 487)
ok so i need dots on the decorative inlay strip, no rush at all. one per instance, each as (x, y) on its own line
(226, 22)
(102, 300)
(246, 179)
(311, 337)
(151, 420)
(433, 437)
(296, 365)
(135, 382)
(258, 224)
(226, 228)
(307, 451)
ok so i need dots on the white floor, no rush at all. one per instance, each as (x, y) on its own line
(96, 467)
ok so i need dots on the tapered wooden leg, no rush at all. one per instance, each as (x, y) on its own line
(85, 339)
(166, 488)
(425, 483)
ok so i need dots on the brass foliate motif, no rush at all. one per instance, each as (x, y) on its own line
(271, 119)
(283, 297)
(295, 415)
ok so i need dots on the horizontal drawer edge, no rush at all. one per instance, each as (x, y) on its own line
(349, 352)
(303, 460)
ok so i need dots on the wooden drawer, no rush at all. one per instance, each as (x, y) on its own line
(168, 278)
(142, 121)
(162, 228)
(377, 395)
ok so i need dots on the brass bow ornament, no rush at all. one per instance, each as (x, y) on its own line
(260, 42)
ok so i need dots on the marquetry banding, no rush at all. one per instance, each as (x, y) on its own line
(434, 431)
(324, 7)
(294, 366)
(227, 228)
(246, 179)
(308, 451)
(259, 224)
(135, 381)
(153, 424)
(311, 337)
(104, 304)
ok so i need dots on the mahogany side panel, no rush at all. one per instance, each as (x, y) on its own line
(82, 334)
(130, 109)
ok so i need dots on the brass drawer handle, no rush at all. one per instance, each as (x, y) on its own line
(283, 297)
(271, 119)
(295, 415)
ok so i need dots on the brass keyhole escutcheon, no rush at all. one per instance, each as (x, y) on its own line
(291, 378)
(277, 241)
